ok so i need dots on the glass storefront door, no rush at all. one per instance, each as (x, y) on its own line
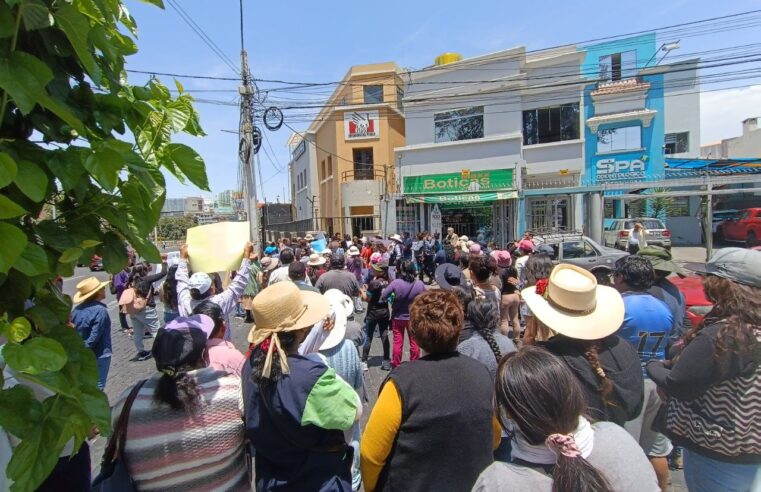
(474, 222)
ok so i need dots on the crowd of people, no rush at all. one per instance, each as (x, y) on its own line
(522, 374)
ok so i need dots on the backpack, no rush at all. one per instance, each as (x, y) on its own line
(131, 302)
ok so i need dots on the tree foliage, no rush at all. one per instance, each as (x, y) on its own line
(73, 135)
(175, 228)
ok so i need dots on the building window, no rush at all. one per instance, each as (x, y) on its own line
(399, 97)
(618, 66)
(460, 124)
(677, 143)
(553, 124)
(363, 164)
(373, 94)
(324, 170)
(330, 166)
(617, 139)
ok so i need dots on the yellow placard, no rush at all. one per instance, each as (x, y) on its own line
(217, 247)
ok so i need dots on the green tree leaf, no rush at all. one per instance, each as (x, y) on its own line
(33, 261)
(157, 3)
(76, 27)
(19, 329)
(20, 412)
(35, 15)
(179, 115)
(113, 252)
(7, 23)
(190, 163)
(9, 209)
(24, 78)
(96, 404)
(35, 356)
(72, 254)
(43, 318)
(35, 457)
(8, 169)
(32, 180)
(13, 244)
(104, 166)
(89, 243)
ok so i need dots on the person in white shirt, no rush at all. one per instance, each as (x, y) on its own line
(637, 239)
(280, 274)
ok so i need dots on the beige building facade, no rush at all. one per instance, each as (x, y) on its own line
(353, 140)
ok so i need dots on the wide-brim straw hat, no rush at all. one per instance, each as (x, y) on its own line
(574, 305)
(396, 237)
(269, 263)
(343, 306)
(309, 237)
(284, 307)
(353, 251)
(88, 288)
(316, 260)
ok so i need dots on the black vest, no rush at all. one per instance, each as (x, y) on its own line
(445, 438)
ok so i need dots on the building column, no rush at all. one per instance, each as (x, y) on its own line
(619, 208)
(594, 212)
(521, 218)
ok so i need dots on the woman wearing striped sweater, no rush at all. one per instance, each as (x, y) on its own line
(185, 428)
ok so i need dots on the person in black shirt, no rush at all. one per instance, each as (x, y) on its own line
(377, 314)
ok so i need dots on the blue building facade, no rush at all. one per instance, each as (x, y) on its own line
(624, 114)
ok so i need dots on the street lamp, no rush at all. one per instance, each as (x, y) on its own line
(666, 48)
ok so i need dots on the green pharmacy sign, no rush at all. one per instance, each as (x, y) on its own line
(458, 183)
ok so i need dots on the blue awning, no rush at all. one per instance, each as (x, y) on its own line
(719, 166)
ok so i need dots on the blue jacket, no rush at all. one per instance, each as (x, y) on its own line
(93, 324)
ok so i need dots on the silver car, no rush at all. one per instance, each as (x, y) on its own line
(616, 234)
(584, 252)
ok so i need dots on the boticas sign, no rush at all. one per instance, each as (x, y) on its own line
(462, 182)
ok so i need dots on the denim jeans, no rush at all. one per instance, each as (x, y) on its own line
(370, 325)
(147, 319)
(704, 474)
(169, 315)
(104, 363)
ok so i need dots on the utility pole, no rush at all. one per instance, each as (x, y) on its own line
(314, 219)
(246, 137)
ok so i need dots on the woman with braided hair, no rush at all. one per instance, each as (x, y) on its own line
(605, 365)
(554, 446)
(296, 407)
(481, 339)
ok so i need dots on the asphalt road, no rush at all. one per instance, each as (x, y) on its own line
(124, 373)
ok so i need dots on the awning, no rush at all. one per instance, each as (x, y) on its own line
(462, 197)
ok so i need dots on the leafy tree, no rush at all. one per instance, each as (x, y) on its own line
(73, 135)
(175, 228)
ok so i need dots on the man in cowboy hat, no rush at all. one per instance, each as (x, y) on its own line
(93, 324)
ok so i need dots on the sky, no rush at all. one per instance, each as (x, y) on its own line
(317, 41)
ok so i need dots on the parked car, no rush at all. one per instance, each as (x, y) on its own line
(96, 264)
(616, 234)
(720, 216)
(744, 226)
(695, 299)
(582, 251)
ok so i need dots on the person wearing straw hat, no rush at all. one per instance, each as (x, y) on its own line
(315, 267)
(91, 320)
(296, 408)
(585, 317)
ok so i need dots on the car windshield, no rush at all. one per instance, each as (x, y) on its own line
(648, 223)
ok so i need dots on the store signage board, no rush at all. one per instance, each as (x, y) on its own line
(299, 150)
(361, 124)
(436, 219)
(476, 181)
(462, 198)
(623, 170)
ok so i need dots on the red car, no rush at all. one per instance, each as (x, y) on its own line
(745, 226)
(695, 299)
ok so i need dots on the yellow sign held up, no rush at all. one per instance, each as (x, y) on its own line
(217, 247)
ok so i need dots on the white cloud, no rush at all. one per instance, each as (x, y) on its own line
(723, 111)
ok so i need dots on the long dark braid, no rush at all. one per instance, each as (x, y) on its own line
(484, 316)
(605, 386)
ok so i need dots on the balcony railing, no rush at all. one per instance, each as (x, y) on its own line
(363, 174)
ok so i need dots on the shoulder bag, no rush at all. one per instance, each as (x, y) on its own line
(114, 476)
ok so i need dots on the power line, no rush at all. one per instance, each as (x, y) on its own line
(188, 19)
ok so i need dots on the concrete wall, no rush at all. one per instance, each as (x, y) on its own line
(306, 162)
(682, 104)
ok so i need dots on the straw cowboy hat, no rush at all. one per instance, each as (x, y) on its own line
(280, 308)
(88, 288)
(353, 251)
(316, 260)
(572, 304)
(269, 263)
(397, 238)
(343, 306)
(309, 237)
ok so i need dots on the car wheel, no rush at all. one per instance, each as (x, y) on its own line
(752, 240)
(602, 276)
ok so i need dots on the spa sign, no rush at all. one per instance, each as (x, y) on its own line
(471, 182)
